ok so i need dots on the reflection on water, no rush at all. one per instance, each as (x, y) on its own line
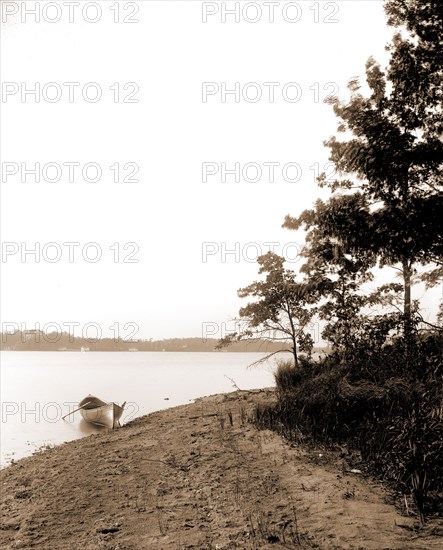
(87, 428)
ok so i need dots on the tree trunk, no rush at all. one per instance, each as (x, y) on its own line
(407, 309)
(294, 353)
(293, 335)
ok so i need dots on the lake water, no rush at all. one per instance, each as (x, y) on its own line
(38, 388)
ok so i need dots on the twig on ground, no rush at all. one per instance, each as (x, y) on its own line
(233, 383)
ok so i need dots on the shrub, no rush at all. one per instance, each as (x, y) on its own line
(389, 409)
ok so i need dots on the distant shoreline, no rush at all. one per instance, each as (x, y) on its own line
(135, 351)
(315, 353)
(36, 340)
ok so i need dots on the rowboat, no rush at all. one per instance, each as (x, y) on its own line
(96, 411)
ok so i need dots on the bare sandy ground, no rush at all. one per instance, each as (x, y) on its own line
(199, 476)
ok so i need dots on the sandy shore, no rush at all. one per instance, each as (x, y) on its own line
(199, 476)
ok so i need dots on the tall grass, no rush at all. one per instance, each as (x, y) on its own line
(390, 411)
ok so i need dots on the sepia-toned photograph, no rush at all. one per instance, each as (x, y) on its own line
(221, 275)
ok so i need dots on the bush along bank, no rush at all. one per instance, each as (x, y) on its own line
(389, 412)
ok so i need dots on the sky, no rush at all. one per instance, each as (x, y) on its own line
(154, 129)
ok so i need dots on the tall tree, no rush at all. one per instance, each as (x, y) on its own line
(337, 270)
(416, 72)
(340, 268)
(395, 155)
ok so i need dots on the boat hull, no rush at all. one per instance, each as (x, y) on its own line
(99, 412)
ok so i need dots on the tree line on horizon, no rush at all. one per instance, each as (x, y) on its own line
(64, 341)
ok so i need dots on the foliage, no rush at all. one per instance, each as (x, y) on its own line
(335, 264)
(393, 157)
(280, 310)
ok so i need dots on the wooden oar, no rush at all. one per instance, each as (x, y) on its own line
(63, 417)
